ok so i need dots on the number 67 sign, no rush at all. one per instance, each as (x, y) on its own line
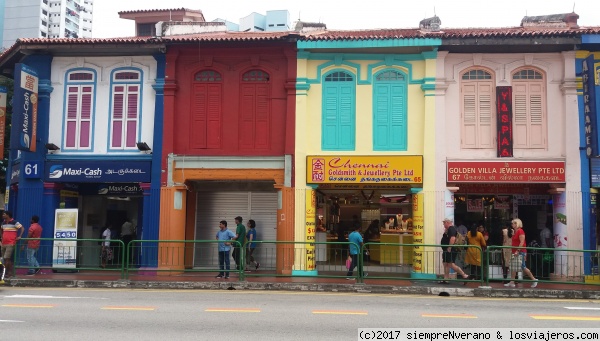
(32, 170)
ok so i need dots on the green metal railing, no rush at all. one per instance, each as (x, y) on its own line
(548, 265)
(70, 255)
(392, 261)
(182, 256)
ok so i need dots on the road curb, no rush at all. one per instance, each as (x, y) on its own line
(314, 287)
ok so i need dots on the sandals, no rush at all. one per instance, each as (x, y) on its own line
(443, 282)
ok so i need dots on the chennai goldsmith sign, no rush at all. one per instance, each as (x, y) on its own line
(364, 169)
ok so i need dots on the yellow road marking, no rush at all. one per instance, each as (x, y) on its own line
(28, 305)
(340, 312)
(565, 317)
(459, 316)
(233, 310)
(127, 308)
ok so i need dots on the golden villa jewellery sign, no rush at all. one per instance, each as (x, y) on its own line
(364, 169)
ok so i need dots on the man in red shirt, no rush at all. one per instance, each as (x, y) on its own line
(35, 231)
(519, 254)
(12, 231)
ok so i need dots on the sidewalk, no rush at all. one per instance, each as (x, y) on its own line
(207, 280)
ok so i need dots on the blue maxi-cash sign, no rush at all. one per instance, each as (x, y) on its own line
(98, 171)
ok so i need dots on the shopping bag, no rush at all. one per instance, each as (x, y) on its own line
(348, 262)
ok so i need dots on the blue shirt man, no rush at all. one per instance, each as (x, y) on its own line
(224, 247)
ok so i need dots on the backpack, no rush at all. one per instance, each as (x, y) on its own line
(459, 239)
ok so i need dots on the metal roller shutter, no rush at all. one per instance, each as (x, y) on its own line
(213, 207)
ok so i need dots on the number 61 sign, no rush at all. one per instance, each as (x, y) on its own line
(32, 170)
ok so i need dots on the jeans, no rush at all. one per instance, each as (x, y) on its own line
(31, 260)
(353, 265)
(224, 262)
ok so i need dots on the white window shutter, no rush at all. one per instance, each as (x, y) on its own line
(520, 116)
(486, 114)
(537, 121)
(469, 115)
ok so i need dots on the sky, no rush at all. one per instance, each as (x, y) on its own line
(345, 15)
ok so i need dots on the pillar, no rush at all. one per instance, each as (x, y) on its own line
(172, 227)
(285, 229)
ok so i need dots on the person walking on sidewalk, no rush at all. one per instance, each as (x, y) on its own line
(507, 233)
(224, 235)
(106, 253)
(473, 257)
(240, 236)
(356, 243)
(450, 253)
(127, 235)
(35, 231)
(12, 231)
(517, 260)
(251, 236)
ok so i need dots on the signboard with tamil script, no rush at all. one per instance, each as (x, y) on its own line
(364, 169)
(506, 171)
(98, 171)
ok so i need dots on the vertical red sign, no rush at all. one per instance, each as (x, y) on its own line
(3, 95)
(504, 117)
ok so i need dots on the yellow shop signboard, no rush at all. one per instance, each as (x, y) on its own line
(364, 169)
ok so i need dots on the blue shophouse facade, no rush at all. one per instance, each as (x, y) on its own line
(93, 110)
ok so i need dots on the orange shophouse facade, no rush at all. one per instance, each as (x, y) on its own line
(228, 141)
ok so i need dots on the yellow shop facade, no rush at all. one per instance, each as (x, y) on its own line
(366, 151)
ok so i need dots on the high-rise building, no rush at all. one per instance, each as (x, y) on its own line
(2, 21)
(46, 19)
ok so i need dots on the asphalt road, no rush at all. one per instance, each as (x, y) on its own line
(111, 314)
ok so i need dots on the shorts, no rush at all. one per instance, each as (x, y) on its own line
(7, 251)
(517, 262)
(449, 257)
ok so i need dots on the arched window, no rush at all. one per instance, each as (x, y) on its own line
(529, 109)
(126, 90)
(389, 111)
(255, 110)
(476, 74)
(339, 112)
(207, 110)
(255, 76)
(478, 119)
(79, 109)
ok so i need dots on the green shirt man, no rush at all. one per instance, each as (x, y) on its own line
(240, 232)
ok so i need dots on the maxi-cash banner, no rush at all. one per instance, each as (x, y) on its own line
(24, 113)
(3, 95)
(364, 169)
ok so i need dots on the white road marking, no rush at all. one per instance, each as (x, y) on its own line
(58, 297)
(582, 308)
(11, 321)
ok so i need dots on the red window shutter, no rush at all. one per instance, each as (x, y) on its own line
(247, 114)
(199, 116)
(214, 116)
(263, 117)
